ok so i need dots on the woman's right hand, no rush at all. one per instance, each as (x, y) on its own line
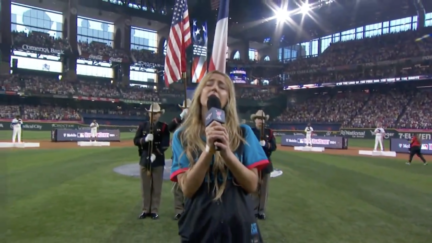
(213, 133)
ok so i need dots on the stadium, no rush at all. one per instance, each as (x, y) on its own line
(342, 65)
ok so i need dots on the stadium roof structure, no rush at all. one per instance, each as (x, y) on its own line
(257, 19)
(106, 10)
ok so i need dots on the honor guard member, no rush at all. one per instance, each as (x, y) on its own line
(268, 143)
(152, 139)
(178, 194)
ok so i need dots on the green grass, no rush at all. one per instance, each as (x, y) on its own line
(72, 195)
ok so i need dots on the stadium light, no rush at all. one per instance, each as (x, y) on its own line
(281, 15)
(305, 8)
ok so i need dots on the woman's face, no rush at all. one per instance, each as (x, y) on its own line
(216, 85)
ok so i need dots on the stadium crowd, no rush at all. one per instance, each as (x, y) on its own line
(358, 109)
(9, 83)
(103, 89)
(50, 113)
(39, 39)
(101, 49)
(418, 114)
(40, 85)
(402, 108)
(146, 56)
(365, 52)
(9, 111)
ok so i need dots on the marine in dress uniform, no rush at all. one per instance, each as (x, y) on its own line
(268, 143)
(178, 193)
(152, 162)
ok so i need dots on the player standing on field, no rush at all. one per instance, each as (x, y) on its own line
(308, 131)
(379, 136)
(93, 130)
(16, 126)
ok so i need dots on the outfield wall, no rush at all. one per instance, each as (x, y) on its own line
(36, 125)
(359, 133)
(364, 133)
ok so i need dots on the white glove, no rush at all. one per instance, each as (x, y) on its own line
(152, 158)
(263, 143)
(149, 138)
(184, 113)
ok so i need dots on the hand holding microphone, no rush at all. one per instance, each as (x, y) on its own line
(217, 137)
(216, 134)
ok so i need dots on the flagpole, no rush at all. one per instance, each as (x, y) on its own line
(184, 78)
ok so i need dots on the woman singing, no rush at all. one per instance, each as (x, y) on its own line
(216, 184)
(415, 148)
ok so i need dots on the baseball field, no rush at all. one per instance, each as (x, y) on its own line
(64, 193)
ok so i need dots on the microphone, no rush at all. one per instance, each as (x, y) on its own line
(214, 113)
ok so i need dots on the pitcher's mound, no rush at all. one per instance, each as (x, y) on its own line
(133, 170)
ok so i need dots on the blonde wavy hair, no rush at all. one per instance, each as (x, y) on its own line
(193, 129)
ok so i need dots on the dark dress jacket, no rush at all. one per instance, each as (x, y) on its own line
(161, 140)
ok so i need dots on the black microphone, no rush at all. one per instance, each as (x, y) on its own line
(214, 113)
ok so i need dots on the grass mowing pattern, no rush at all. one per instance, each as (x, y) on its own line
(72, 195)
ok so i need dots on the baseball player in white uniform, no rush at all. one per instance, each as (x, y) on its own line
(308, 131)
(93, 129)
(16, 126)
(379, 136)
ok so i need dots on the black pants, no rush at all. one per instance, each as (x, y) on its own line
(416, 150)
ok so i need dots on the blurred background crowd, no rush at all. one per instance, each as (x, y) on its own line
(396, 108)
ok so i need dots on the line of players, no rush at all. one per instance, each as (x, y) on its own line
(379, 133)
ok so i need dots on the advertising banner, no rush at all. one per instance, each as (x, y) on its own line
(70, 135)
(365, 133)
(38, 49)
(302, 133)
(49, 126)
(317, 141)
(402, 145)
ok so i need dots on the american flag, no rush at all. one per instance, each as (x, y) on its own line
(179, 39)
(199, 68)
(220, 45)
